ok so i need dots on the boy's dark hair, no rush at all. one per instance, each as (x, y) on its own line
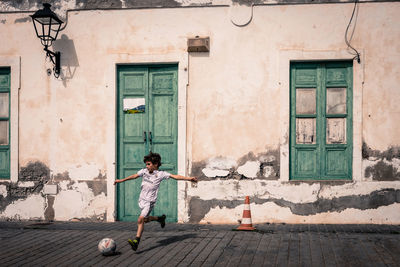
(154, 158)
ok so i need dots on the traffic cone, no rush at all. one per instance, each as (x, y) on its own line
(246, 224)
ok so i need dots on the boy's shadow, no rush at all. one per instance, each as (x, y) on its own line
(168, 241)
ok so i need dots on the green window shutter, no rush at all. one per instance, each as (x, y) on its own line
(321, 121)
(5, 123)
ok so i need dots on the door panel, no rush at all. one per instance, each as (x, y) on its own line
(132, 84)
(336, 162)
(306, 162)
(152, 127)
(4, 162)
(163, 82)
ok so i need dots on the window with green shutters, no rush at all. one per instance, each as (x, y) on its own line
(4, 123)
(321, 120)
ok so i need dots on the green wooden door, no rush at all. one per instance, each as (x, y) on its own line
(321, 121)
(4, 123)
(147, 121)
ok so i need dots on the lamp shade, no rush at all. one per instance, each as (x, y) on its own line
(47, 25)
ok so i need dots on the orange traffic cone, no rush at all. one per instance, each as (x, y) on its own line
(246, 224)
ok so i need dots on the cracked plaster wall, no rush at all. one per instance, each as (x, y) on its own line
(77, 197)
(381, 165)
(62, 6)
(221, 201)
(67, 134)
(224, 183)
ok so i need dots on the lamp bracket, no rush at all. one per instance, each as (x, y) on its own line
(55, 59)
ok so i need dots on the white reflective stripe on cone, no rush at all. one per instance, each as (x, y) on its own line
(247, 206)
(246, 221)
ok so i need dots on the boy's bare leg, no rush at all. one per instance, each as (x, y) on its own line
(141, 221)
(150, 219)
(135, 242)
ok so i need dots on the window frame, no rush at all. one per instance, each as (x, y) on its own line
(13, 63)
(321, 147)
(7, 89)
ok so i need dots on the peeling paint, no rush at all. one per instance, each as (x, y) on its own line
(79, 202)
(34, 171)
(60, 7)
(218, 167)
(30, 208)
(383, 171)
(389, 154)
(98, 185)
(255, 168)
(262, 166)
(385, 197)
(84, 199)
(381, 165)
(91, 4)
(59, 177)
(23, 20)
(247, 2)
(215, 173)
(31, 181)
(3, 191)
(26, 184)
(250, 169)
(84, 172)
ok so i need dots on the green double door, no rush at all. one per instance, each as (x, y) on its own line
(147, 121)
(321, 121)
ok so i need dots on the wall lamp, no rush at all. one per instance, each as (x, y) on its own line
(47, 25)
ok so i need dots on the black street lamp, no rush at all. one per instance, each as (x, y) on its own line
(47, 25)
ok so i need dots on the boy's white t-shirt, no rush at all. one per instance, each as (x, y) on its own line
(151, 183)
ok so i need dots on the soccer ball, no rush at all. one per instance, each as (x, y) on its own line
(107, 246)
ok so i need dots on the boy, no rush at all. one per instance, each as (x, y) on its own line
(152, 178)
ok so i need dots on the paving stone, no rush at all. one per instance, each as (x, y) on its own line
(283, 250)
(75, 244)
(273, 250)
(219, 249)
(251, 249)
(304, 250)
(260, 255)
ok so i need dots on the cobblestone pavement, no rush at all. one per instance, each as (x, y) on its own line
(75, 244)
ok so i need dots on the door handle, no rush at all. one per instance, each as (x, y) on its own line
(144, 137)
(151, 139)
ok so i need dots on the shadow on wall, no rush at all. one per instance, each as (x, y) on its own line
(69, 59)
(200, 54)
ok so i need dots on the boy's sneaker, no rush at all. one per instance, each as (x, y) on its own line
(161, 220)
(134, 243)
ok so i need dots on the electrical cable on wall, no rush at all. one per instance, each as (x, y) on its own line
(354, 51)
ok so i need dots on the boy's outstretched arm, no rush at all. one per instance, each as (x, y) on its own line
(180, 177)
(133, 176)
